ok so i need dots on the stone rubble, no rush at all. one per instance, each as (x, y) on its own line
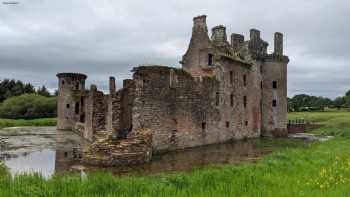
(136, 149)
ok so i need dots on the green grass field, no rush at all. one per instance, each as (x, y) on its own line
(20, 122)
(319, 169)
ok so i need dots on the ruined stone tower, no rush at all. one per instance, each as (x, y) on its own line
(70, 100)
(244, 69)
(274, 94)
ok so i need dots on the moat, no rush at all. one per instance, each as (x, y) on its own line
(46, 150)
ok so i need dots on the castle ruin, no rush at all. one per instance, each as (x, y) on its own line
(224, 91)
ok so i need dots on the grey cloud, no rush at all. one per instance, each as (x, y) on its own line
(39, 38)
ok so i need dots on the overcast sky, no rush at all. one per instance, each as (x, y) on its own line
(39, 38)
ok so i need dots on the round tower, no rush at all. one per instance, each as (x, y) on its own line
(70, 100)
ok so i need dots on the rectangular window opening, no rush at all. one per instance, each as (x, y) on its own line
(246, 123)
(204, 126)
(210, 59)
(227, 124)
(274, 103)
(231, 100)
(274, 84)
(67, 106)
(231, 77)
(77, 108)
(77, 86)
(245, 101)
(217, 99)
(244, 80)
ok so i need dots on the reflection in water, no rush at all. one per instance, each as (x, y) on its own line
(60, 161)
(229, 153)
(61, 153)
(41, 161)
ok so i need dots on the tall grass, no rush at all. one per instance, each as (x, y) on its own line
(305, 171)
(21, 122)
(318, 169)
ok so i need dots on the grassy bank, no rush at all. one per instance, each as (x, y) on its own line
(319, 169)
(21, 122)
(335, 123)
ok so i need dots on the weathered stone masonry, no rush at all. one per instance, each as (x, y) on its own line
(224, 91)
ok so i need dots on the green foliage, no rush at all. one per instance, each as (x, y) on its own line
(339, 102)
(303, 102)
(12, 87)
(43, 91)
(347, 101)
(28, 106)
(22, 122)
(347, 93)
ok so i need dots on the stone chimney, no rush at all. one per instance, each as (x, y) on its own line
(278, 50)
(254, 34)
(200, 24)
(112, 86)
(237, 41)
(219, 34)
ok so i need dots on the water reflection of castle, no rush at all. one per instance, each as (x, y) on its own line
(65, 158)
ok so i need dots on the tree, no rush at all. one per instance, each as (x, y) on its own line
(339, 102)
(28, 106)
(347, 93)
(43, 91)
(347, 101)
(9, 88)
(307, 102)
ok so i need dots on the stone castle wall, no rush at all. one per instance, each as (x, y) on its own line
(183, 111)
(96, 108)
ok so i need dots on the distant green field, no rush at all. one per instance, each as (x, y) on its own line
(21, 122)
(335, 123)
(317, 169)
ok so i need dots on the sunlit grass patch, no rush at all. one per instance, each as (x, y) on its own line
(34, 122)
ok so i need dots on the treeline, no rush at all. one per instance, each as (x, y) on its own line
(304, 102)
(20, 100)
(9, 88)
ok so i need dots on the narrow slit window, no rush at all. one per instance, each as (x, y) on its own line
(77, 108)
(217, 99)
(231, 77)
(231, 100)
(204, 126)
(244, 80)
(77, 86)
(246, 123)
(274, 84)
(274, 103)
(210, 59)
(245, 101)
(227, 124)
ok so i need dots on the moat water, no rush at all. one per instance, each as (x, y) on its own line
(48, 151)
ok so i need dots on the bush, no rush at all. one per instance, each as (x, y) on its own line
(28, 106)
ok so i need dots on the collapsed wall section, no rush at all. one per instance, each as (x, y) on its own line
(96, 107)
